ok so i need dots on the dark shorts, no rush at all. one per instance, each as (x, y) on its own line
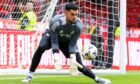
(46, 42)
(64, 47)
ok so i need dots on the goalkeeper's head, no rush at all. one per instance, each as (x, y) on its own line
(71, 12)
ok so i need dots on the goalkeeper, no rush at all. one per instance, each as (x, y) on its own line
(63, 34)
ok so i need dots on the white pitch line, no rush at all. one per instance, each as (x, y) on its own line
(33, 77)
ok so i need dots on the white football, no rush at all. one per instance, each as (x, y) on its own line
(89, 52)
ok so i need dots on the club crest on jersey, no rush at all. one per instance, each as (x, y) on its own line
(61, 31)
(72, 32)
(47, 34)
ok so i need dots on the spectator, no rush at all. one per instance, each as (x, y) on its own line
(117, 30)
(17, 13)
(4, 13)
(29, 19)
(138, 21)
(97, 40)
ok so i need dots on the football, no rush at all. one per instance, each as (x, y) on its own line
(89, 52)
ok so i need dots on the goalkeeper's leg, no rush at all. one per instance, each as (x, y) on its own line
(44, 44)
(86, 71)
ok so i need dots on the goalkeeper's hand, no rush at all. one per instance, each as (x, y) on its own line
(73, 65)
(57, 62)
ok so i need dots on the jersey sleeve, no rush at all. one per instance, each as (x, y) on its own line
(54, 26)
(75, 36)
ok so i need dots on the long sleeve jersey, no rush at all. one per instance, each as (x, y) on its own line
(61, 31)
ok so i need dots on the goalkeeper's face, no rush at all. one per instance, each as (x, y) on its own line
(71, 15)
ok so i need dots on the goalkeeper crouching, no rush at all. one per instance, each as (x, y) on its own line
(63, 33)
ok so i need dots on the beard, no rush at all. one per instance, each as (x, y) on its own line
(71, 21)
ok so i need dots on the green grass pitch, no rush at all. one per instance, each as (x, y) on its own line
(128, 78)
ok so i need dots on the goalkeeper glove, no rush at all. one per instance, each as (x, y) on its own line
(73, 65)
(57, 62)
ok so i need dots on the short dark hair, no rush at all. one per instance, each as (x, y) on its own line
(70, 6)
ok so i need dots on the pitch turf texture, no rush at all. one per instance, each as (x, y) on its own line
(128, 78)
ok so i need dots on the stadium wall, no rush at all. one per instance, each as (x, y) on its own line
(17, 48)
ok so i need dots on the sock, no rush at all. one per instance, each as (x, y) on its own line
(96, 78)
(30, 74)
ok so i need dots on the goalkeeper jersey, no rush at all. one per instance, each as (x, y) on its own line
(61, 31)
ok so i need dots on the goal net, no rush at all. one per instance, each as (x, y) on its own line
(100, 17)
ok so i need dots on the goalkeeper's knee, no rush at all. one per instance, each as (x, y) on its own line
(83, 69)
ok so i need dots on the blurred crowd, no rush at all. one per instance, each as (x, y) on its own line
(14, 10)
